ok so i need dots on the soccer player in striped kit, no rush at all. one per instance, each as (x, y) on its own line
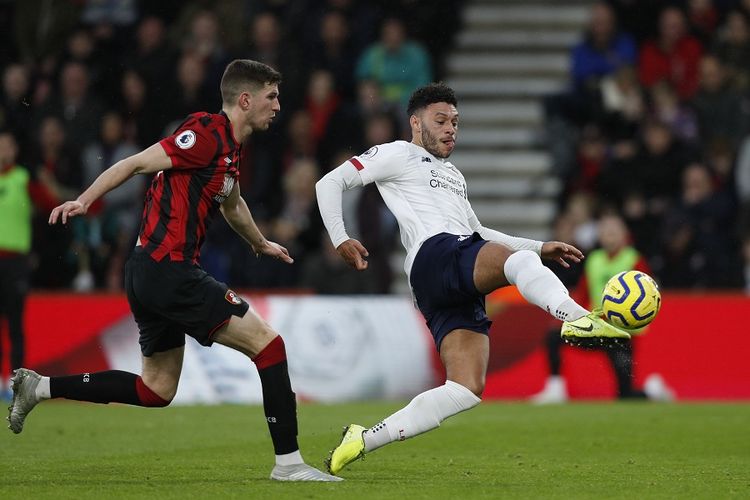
(452, 262)
(197, 170)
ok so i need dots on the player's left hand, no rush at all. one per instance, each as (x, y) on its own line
(66, 210)
(561, 252)
(274, 250)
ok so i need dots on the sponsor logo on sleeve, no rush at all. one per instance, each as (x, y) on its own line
(226, 189)
(185, 140)
(232, 298)
(369, 153)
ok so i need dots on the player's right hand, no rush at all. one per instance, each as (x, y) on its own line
(273, 249)
(67, 209)
(354, 253)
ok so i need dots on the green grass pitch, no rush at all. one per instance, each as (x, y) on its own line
(497, 450)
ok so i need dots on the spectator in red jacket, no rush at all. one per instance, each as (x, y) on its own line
(673, 56)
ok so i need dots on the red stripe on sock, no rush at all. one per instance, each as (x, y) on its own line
(147, 396)
(273, 354)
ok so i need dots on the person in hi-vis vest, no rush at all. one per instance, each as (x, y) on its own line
(15, 244)
(614, 255)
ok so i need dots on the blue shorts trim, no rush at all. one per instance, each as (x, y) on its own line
(442, 279)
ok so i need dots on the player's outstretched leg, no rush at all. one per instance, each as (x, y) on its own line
(424, 413)
(24, 384)
(111, 386)
(541, 287)
(155, 388)
(464, 354)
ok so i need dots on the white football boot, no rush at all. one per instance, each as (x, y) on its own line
(300, 472)
(24, 384)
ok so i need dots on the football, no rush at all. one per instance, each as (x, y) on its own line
(631, 300)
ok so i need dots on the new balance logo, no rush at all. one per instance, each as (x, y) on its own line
(426, 159)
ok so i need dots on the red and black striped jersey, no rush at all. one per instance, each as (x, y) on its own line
(183, 200)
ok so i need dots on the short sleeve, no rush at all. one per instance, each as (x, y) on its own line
(191, 146)
(380, 163)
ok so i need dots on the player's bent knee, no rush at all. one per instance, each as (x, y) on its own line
(519, 260)
(260, 337)
(525, 257)
(273, 353)
(475, 386)
(464, 396)
(256, 328)
(489, 267)
(267, 332)
(504, 251)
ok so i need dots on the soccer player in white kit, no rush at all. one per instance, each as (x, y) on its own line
(452, 262)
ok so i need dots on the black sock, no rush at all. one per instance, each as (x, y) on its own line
(112, 386)
(280, 406)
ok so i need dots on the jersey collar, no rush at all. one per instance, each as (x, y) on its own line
(231, 127)
(441, 161)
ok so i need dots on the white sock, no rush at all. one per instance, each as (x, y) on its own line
(540, 286)
(292, 458)
(423, 413)
(42, 389)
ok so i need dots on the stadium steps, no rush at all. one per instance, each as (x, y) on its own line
(467, 63)
(507, 57)
(503, 111)
(526, 40)
(476, 88)
(530, 14)
(500, 163)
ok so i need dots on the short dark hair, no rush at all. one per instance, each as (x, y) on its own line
(242, 73)
(430, 94)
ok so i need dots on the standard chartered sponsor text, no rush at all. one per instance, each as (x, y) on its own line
(440, 180)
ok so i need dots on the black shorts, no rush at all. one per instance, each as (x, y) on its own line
(171, 299)
(442, 279)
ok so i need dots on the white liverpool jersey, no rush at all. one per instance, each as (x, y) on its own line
(426, 194)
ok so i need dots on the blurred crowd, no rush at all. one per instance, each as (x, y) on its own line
(88, 82)
(655, 126)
